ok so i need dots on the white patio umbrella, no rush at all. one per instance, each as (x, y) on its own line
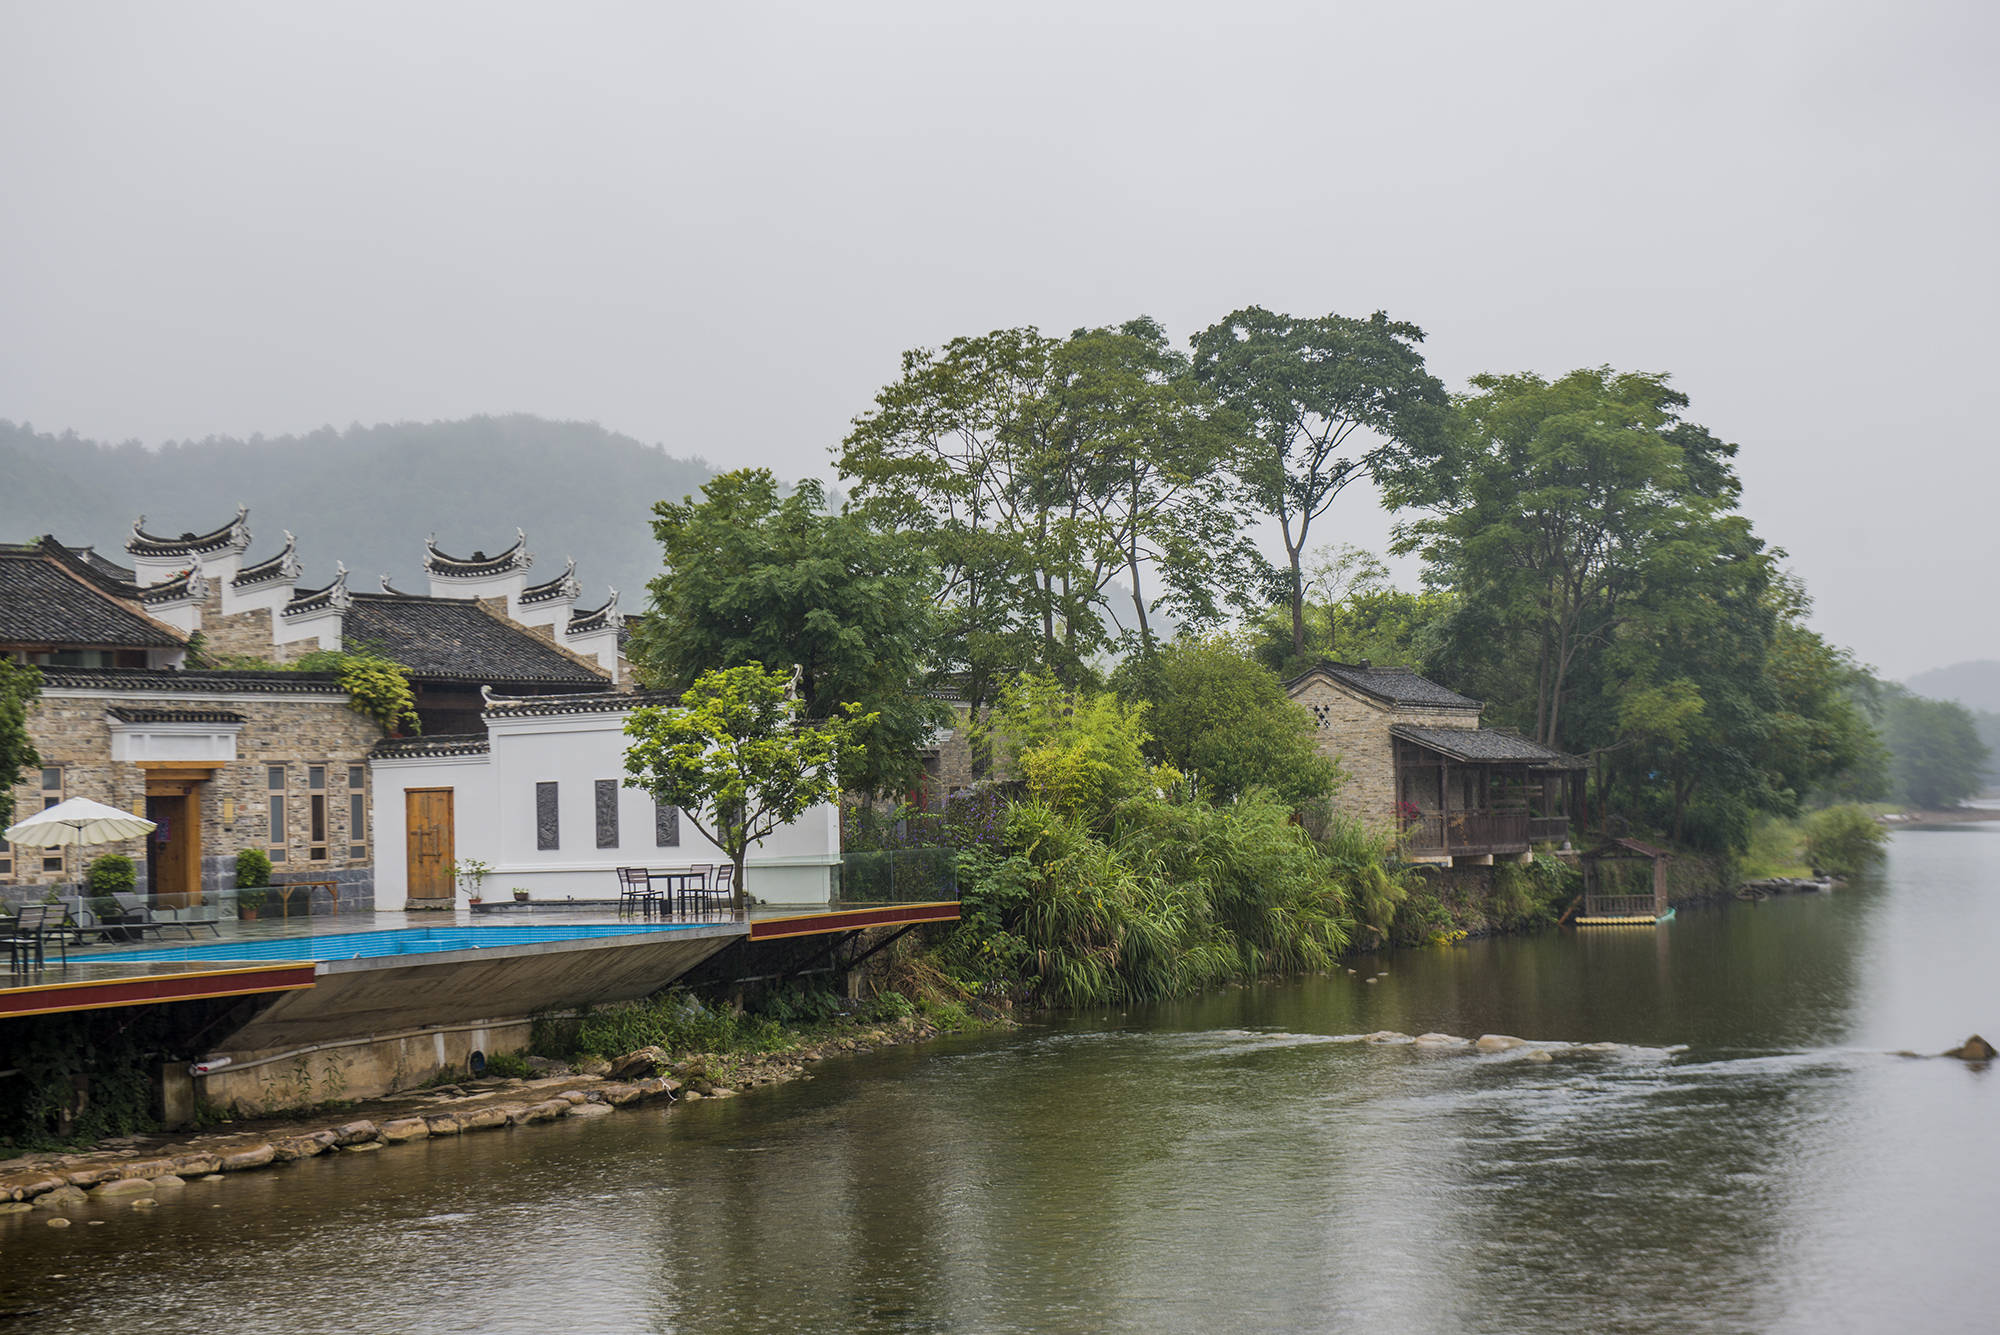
(77, 821)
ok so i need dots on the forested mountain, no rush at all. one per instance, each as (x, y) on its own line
(1975, 685)
(367, 495)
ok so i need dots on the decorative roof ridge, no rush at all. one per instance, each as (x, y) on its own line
(283, 566)
(333, 598)
(129, 714)
(595, 619)
(389, 591)
(189, 586)
(479, 565)
(562, 586)
(168, 681)
(232, 536)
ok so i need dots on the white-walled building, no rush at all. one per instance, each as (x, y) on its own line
(541, 799)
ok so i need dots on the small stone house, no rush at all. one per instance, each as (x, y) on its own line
(1419, 764)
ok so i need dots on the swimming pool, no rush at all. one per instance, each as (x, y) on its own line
(371, 945)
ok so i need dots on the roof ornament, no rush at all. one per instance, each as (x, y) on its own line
(793, 686)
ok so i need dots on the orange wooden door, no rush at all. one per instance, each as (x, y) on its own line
(427, 814)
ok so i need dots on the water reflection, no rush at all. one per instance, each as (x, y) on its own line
(1751, 1157)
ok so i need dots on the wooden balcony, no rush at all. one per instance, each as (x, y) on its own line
(1466, 833)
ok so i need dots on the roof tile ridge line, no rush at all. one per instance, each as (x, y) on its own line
(50, 547)
(131, 605)
(235, 531)
(552, 590)
(554, 641)
(601, 612)
(284, 565)
(500, 564)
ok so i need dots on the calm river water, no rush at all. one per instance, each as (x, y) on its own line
(1754, 1158)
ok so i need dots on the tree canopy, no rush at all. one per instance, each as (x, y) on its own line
(737, 757)
(19, 685)
(755, 577)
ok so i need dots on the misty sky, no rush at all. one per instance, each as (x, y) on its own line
(716, 227)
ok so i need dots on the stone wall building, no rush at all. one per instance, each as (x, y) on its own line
(1419, 765)
(263, 757)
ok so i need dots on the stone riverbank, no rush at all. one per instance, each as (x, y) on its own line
(136, 1172)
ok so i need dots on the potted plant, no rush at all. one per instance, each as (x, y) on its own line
(108, 875)
(471, 874)
(253, 878)
(520, 895)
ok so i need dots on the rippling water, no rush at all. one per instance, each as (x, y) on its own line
(1748, 1156)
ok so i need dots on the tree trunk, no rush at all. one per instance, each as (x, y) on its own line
(739, 897)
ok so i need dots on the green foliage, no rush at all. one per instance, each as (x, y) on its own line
(676, 1020)
(253, 868)
(19, 685)
(378, 688)
(509, 1066)
(754, 578)
(470, 874)
(251, 900)
(1938, 758)
(1328, 400)
(111, 874)
(1032, 471)
(1843, 839)
(79, 1077)
(1079, 752)
(737, 758)
(1175, 895)
(1226, 722)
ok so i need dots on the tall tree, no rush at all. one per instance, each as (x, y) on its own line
(1938, 759)
(1552, 505)
(1037, 470)
(738, 757)
(754, 577)
(1329, 399)
(19, 685)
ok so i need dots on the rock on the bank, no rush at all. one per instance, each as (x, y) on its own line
(1442, 1041)
(1974, 1049)
(1499, 1043)
(404, 1128)
(124, 1186)
(592, 1110)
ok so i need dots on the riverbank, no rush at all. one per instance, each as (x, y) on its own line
(135, 1172)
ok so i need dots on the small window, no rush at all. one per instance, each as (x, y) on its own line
(548, 829)
(276, 837)
(274, 778)
(357, 776)
(316, 778)
(52, 793)
(6, 858)
(316, 825)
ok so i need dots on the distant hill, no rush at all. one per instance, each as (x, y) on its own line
(1975, 685)
(367, 495)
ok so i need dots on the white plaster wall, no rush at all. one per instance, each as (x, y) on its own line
(473, 825)
(494, 819)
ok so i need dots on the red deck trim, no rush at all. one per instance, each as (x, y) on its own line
(818, 924)
(102, 994)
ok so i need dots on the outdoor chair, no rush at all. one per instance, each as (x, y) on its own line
(140, 918)
(635, 889)
(32, 926)
(722, 888)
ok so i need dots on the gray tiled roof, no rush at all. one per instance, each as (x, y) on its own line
(596, 618)
(160, 681)
(442, 744)
(127, 714)
(1397, 685)
(43, 602)
(593, 702)
(1487, 745)
(232, 536)
(454, 639)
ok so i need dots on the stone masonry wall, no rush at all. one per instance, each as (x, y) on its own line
(1353, 730)
(246, 634)
(73, 731)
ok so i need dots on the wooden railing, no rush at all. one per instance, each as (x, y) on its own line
(1548, 829)
(1471, 832)
(1619, 906)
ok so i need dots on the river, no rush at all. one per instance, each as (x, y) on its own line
(1752, 1157)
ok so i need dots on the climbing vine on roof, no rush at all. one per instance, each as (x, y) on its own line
(377, 687)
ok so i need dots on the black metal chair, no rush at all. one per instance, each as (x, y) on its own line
(635, 889)
(33, 925)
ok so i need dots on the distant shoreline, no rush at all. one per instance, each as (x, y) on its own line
(1944, 816)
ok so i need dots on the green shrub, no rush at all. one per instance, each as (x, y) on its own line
(676, 1021)
(112, 874)
(1843, 839)
(253, 868)
(509, 1065)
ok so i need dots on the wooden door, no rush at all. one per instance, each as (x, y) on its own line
(428, 843)
(173, 851)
